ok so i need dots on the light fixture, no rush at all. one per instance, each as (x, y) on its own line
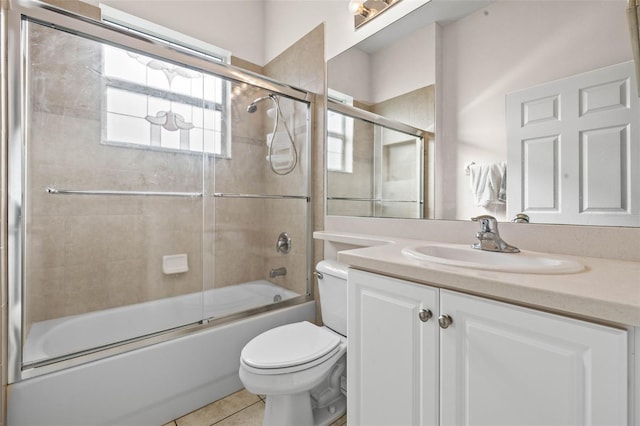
(357, 7)
(365, 10)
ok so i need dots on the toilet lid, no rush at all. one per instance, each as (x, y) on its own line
(289, 345)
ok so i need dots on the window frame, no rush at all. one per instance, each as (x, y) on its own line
(181, 41)
(346, 136)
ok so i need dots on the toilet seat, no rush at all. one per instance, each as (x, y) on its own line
(290, 348)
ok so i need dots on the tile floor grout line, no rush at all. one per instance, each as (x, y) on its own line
(233, 414)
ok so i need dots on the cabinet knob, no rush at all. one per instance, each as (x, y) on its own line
(425, 315)
(445, 321)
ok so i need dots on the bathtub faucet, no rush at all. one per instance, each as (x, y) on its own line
(278, 272)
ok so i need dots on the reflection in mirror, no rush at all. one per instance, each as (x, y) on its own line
(493, 50)
(388, 79)
(375, 166)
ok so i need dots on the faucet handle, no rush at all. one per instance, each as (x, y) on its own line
(488, 223)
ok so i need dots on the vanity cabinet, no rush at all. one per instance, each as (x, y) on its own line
(392, 353)
(476, 361)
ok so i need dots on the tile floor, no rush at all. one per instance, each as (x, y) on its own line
(239, 409)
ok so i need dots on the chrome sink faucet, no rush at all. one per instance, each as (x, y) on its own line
(490, 237)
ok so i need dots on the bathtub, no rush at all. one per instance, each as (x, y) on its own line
(153, 384)
(67, 335)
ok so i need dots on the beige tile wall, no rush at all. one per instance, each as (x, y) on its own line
(89, 252)
(302, 65)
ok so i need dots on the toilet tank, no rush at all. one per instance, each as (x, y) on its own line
(333, 294)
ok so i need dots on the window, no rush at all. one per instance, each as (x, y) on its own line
(339, 137)
(158, 104)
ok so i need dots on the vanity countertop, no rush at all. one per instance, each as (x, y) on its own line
(607, 291)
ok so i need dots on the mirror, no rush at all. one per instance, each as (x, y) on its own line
(386, 136)
(473, 58)
(375, 165)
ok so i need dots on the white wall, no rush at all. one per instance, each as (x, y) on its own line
(401, 67)
(350, 73)
(517, 44)
(259, 30)
(286, 21)
(405, 65)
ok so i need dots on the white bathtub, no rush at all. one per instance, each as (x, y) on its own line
(67, 335)
(154, 384)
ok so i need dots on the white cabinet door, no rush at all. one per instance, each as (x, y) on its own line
(506, 365)
(392, 354)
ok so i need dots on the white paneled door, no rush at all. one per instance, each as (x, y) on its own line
(573, 149)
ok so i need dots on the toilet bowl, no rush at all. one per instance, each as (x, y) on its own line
(301, 367)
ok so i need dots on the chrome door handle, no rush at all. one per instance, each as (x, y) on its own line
(445, 321)
(425, 315)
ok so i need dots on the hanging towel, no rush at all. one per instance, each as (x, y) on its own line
(502, 192)
(488, 183)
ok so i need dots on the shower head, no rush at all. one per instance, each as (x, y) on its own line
(253, 106)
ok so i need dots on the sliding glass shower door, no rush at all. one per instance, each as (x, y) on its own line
(114, 180)
(143, 189)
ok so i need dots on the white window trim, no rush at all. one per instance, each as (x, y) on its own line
(347, 163)
(118, 17)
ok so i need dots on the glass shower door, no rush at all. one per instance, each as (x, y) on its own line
(375, 169)
(262, 197)
(114, 150)
(143, 193)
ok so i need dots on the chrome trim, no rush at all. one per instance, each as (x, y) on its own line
(258, 196)
(47, 14)
(381, 200)
(521, 218)
(489, 236)
(56, 191)
(283, 244)
(15, 201)
(361, 114)
(425, 315)
(54, 364)
(445, 320)
(309, 173)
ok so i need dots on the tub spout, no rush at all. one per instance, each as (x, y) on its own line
(278, 272)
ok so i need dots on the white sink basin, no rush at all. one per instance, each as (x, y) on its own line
(466, 257)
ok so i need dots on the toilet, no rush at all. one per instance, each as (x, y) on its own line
(301, 367)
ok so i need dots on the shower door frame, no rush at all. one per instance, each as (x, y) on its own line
(15, 87)
(387, 123)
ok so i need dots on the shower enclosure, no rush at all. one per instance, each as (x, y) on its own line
(377, 166)
(142, 176)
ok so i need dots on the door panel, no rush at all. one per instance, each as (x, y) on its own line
(392, 354)
(591, 120)
(506, 365)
